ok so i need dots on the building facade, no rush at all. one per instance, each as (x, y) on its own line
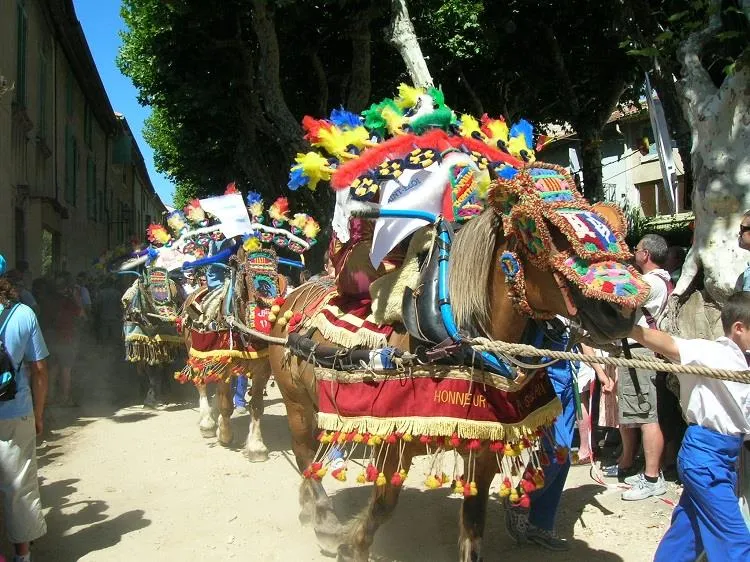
(72, 179)
(631, 172)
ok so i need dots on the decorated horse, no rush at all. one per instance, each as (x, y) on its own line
(447, 230)
(226, 327)
(150, 307)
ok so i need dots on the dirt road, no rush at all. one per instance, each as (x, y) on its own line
(120, 483)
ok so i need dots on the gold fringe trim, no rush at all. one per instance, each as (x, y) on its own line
(152, 353)
(428, 371)
(233, 353)
(343, 337)
(444, 426)
(176, 340)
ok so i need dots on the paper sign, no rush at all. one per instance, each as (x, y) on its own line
(231, 211)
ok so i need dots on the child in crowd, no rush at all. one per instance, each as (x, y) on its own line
(708, 516)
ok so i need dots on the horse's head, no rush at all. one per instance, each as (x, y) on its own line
(564, 256)
(543, 245)
(258, 282)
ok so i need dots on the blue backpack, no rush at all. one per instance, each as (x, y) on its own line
(7, 368)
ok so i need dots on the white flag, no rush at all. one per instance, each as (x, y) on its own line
(231, 211)
(663, 145)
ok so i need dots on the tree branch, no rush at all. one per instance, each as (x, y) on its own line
(473, 97)
(360, 83)
(560, 68)
(696, 84)
(283, 127)
(404, 38)
(321, 80)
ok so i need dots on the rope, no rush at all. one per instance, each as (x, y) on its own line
(234, 323)
(494, 346)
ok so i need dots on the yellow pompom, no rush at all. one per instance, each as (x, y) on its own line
(357, 438)
(473, 489)
(407, 437)
(514, 496)
(340, 475)
(288, 314)
(275, 309)
(380, 481)
(432, 482)
(282, 322)
(403, 474)
(376, 440)
(503, 492)
(321, 472)
(361, 478)
(272, 317)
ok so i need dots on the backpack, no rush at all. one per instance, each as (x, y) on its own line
(7, 369)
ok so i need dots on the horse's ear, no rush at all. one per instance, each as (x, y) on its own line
(612, 214)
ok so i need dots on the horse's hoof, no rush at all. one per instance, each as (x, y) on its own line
(207, 432)
(257, 456)
(347, 553)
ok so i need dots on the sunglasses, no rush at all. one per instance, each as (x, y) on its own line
(744, 228)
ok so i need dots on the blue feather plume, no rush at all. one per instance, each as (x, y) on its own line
(297, 178)
(344, 119)
(525, 128)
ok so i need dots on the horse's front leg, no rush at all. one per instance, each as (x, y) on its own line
(255, 448)
(356, 547)
(226, 406)
(207, 421)
(474, 511)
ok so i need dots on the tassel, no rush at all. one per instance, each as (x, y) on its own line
(505, 488)
(397, 479)
(371, 473)
(380, 480)
(432, 482)
(339, 474)
(524, 502)
(361, 477)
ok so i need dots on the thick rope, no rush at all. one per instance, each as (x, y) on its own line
(494, 346)
(234, 323)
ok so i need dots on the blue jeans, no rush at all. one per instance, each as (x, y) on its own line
(707, 516)
(239, 392)
(544, 502)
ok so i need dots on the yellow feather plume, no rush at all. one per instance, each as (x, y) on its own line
(470, 126)
(311, 228)
(408, 96)
(299, 220)
(498, 130)
(252, 244)
(394, 120)
(315, 167)
(517, 144)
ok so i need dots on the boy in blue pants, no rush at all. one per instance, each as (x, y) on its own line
(718, 413)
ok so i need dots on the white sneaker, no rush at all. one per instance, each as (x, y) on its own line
(643, 489)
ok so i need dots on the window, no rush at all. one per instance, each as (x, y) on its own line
(21, 39)
(43, 73)
(100, 206)
(91, 189)
(88, 120)
(69, 94)
(71, 165)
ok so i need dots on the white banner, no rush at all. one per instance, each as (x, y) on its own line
(663, 146)
(231, 211)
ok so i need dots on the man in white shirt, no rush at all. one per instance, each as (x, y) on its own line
(708, 516)
(637, 387)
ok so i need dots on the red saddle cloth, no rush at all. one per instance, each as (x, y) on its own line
(217, 356)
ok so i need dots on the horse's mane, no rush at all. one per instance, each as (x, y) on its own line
(471, 266)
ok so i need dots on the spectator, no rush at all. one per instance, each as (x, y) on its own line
(65, 339)
(23, 267)
(21, 420)
(108, 312)
(585, 378)
(743, 282)
(708, 517)
(304, 276)
(83, 293)
(675, 259)
(637, 387)
(16, 279)
(537, 524)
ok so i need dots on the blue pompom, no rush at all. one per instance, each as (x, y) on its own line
(297, 178)
(345, 119)
(253, 197)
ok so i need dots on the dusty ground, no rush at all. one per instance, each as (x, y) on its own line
(120, 483)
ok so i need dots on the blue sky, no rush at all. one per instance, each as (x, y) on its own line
(101, 23)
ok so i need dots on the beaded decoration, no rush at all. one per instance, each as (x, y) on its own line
(603, 280)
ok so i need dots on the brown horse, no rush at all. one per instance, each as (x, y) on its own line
(479, 293)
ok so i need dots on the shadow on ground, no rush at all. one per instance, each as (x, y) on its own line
(417, 531)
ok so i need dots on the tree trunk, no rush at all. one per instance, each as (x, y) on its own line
(275, 119)
(321, 80)
(591, 163)
(720, 123)
(360, 84)
(404, 38)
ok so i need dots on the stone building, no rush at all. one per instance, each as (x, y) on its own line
(72, 179)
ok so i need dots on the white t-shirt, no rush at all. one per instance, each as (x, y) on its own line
(657, 297)
(712, 403)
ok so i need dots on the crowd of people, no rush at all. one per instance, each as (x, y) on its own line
(696, 436)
